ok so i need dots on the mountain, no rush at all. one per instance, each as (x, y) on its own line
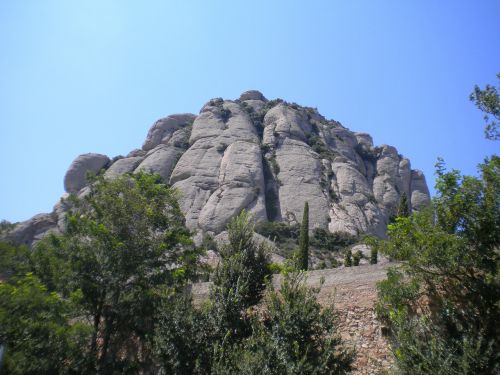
(268, 157)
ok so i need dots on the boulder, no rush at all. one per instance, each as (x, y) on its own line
(162, 130)
(122, 166)
(76, 176)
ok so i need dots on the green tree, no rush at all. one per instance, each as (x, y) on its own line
(35, 329)
(191, 341)
(442, 303)
(14, 260)
(183, 337)
(239, 280)
(488, 101)
(125, 249)
(303, 258)
(403, 209)
(294, 335)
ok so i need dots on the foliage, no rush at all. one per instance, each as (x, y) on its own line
(319, 146)
(442, 304)
(6, 226)
(278, 231)
(488, 101)
(403, 209)
(356, 258)
(294, 335)
(239, 280)
(34, 327)
(182, 337)
(373, 255)
(348, 258)
(125, 250)
(14, 260)
(323, 239)
(304, 240)
(122, 239)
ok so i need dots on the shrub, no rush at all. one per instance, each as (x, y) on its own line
(373, 255)
(294, 336)
(356, 258)
(278, 231)
(304, 240)
(348, 258)
(323, 239)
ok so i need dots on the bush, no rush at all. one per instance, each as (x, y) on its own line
(441, 303)
(294, 335)
(35, 329)
(323, 239)
(348, 258)
(239, 280)
(278, 231)
(373, 255)
(356, 258)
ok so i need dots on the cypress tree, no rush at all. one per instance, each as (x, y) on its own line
(303, 260)
(403, 210)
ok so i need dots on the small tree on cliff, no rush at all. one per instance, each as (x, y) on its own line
(403, 210)
(303, 261)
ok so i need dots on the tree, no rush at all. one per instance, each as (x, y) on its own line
(239, 280)
(488, 101)
(190, 341)
(441, 304)
(125, 248)
(303, 258)
(35, 329)
(403, 209)
(294, 335)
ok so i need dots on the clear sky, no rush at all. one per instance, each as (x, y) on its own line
(92, 76)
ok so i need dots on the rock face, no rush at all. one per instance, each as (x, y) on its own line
(268, 157)
(76, 176)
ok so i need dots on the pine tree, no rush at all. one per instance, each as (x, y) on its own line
(303, 260)
(403, 210)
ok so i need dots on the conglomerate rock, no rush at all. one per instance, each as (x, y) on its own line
(268, 157)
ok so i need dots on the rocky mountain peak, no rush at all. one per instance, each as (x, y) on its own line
(266, 156)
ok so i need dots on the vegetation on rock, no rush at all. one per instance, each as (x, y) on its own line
(303, 254)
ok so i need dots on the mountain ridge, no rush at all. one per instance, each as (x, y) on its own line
(266, 156)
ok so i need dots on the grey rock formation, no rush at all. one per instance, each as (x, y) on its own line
(163, 129)
(121, 166)
(252, 95)
(33, 229)
(76, 176)
(268, 157)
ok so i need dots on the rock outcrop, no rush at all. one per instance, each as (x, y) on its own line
(268, 157)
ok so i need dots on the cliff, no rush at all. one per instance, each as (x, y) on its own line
(268, 157)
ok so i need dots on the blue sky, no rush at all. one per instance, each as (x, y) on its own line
(92, 76)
